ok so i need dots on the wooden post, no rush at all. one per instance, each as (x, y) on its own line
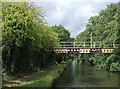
(91, 39)
(74, 44)
(114, 46)
(84, 44)
(94, 44)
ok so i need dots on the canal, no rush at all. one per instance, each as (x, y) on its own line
(82, 75)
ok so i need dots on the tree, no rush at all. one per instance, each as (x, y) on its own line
(25, 37)
(63, 34)
(106, 28)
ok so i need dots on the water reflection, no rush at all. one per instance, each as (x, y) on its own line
(83, 75)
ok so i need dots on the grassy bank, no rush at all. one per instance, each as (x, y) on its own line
(42, 78)
(46, 79)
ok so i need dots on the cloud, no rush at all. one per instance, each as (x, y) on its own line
(61, 1)
(71, 15)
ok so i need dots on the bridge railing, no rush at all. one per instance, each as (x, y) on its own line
(85, 45)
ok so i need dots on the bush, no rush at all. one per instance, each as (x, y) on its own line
(115, 67)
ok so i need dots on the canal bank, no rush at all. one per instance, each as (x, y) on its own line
(49, 79)
(81, 75)
(60, 74)
(42, 78)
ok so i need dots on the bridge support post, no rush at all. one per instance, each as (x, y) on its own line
(84, 44)
(74, 44)
(94, 44)
(91, 39)
(114, 46)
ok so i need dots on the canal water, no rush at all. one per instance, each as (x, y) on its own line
(82, 75)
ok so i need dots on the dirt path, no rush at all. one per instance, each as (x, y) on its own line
(16, 82)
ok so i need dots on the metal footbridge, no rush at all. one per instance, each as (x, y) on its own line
(84, 47)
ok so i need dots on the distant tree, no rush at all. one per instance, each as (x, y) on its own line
(63, 34)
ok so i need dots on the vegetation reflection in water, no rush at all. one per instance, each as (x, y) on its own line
(83, 75)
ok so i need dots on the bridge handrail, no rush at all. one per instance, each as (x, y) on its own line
(85, 44)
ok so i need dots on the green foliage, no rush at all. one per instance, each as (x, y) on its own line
(115, 67)
(63, 34)
(105, 28)
(25, 38)
(110, 59)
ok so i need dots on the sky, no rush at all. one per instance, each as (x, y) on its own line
(73, 15)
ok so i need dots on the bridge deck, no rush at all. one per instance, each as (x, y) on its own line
(83, 50)
(84, 47)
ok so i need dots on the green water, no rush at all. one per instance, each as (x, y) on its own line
(83, 75)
